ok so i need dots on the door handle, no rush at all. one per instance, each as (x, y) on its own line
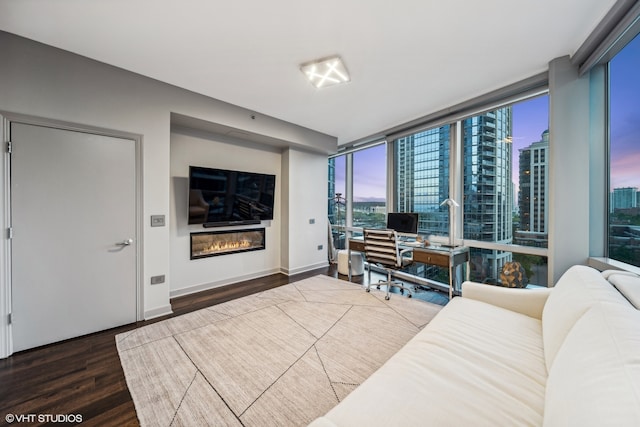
(126, 242)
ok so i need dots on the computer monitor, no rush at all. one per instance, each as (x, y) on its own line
(404, 223)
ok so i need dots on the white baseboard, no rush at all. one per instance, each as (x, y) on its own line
(158, 312)
(291, 272)
(210, 285)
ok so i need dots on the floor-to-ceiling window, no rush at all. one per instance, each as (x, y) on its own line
(494, 164)
(624, 155)
(505, 186)
(421, 163)
(337, 199)
(357, 191)
(337, 190)
(504, 175)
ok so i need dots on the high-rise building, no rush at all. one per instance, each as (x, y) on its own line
(624, 198)
(422, 176)
(488, 185)
(534, 184)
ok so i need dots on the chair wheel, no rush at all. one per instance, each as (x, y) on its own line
(378, 286)
(386, 297)
(368, 290)
(401, 291)
(409, 296)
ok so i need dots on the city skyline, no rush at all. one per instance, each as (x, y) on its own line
(530, 120)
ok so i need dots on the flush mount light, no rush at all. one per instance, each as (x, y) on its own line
(325, 72)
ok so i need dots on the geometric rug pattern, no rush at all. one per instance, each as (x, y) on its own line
(282, 357)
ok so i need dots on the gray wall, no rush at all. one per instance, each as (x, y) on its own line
(43, 81)
(569, 159)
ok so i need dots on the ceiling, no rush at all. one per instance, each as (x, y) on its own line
(407, 58)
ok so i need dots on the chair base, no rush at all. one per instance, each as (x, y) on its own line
(390, 283)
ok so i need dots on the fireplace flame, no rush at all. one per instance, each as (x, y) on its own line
(227, 246)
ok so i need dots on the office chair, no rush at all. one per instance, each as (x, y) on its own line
(381, 248)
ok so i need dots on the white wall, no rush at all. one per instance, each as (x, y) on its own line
(43, 81)
(305, 200)
(199, 149)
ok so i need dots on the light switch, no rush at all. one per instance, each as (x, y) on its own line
(157, 220)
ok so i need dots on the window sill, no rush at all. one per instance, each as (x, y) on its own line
(602, 264)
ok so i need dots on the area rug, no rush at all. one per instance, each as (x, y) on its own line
(281, 357)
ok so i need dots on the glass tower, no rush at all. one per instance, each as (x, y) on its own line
(422, 178)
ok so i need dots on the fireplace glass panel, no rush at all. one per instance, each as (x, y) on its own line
(214, 243)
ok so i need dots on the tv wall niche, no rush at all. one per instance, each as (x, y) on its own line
(221, 197)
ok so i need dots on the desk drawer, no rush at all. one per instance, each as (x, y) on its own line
(441, 260)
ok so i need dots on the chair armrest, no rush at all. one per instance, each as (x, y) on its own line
(525, 301)
(404, 252)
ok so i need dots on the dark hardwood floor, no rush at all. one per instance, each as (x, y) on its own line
(82, 379)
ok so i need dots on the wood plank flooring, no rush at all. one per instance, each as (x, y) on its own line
(82, 377)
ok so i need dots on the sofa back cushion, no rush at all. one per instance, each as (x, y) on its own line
(595, 378)
(629, 286)
(577, 290)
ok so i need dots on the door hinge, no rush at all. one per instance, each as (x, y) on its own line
(10, 233)
(9, 147)
(9, 318)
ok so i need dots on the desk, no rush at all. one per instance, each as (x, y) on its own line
(432, 255)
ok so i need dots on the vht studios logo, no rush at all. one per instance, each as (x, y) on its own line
(43, 418)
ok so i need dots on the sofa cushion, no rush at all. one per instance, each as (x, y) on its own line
(629, 286)
(473, 364)
(577, 290)
(595, 378)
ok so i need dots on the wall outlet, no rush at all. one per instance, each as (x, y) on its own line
(320, 247)
(156, 280)
(312, 221)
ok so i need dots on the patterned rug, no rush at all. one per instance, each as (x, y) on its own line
(281, 357)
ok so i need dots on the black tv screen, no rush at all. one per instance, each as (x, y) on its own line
(403, 222)
(224, 196)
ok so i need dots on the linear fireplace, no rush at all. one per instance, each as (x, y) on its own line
(214, 243)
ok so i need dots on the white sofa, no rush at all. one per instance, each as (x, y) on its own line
(566, 356)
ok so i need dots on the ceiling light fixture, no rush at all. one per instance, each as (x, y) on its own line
(326, 72)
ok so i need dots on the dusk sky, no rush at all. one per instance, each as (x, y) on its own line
(625, 117)
(530, 119)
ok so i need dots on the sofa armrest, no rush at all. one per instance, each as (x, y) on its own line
(525, 301)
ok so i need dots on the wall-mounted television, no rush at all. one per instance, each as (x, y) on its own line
(219, 197)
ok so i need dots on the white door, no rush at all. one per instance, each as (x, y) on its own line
(73, 251)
